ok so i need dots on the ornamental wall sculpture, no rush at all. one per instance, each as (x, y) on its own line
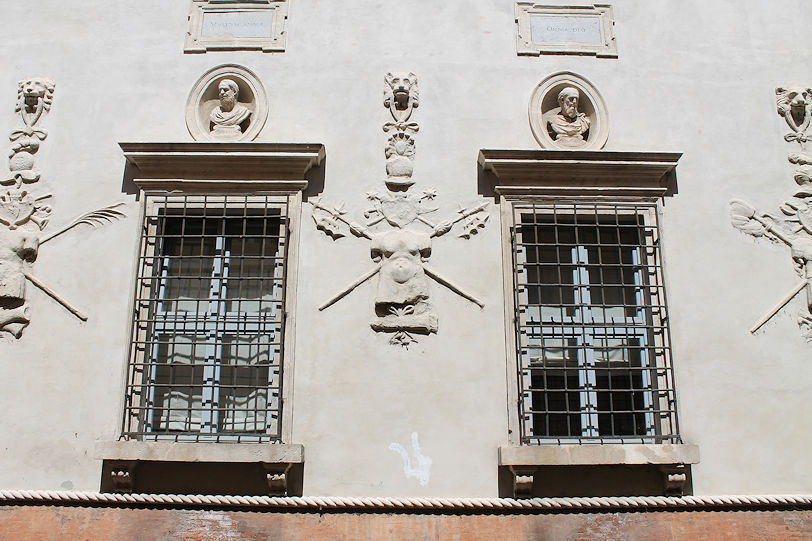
(228, 103)
(566, 111)
(400, 255)
(792, 223)
(24, 216)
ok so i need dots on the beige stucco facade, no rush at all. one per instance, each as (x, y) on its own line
(691, 77)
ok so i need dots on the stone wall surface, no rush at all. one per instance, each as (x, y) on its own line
(692, 76)
(43, 523)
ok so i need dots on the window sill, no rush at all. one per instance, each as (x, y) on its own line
(204, 468)
(594, 455)
(596, 470)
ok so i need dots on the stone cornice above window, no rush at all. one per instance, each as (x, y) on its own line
(582, 173)
(222, 167)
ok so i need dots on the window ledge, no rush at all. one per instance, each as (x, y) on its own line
(596, 470)
(201, 468)
(596, 455)
(166, 451)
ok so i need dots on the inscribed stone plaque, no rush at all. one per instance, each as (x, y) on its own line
(547, 29)
(550, 29)
(238, 24)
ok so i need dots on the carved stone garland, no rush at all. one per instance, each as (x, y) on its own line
(24, 216)
(400, 255)
(792, 224)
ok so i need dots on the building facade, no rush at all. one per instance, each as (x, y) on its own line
(485, 258)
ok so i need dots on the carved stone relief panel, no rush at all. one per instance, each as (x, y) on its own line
(550, 29)
(566, 111)
(236, 25)
(401, 252)
(228, 103)
(791, 225)
(24, 215)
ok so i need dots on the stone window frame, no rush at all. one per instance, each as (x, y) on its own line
(210, 319)
(262, 169)
(197, 43)
(587, 176)
(525, 46)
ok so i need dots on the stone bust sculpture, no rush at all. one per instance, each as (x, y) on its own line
(227, 117)
(568, 126)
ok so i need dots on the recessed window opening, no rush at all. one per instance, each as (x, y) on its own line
(594, 359)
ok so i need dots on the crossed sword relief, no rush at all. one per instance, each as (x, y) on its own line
(401, 211)
(337, 213)
(401, 255)
(23, 216)
(792, 225)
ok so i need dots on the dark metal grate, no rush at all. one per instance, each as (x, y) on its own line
(594, 352)
(206, 356)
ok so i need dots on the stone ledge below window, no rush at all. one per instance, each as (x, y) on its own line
(201, 468)
(596, 470)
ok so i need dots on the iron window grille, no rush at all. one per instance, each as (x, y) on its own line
(206, 357)
(594, 354)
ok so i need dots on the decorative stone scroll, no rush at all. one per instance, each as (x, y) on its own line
(400, 253)
(566, 111)
(228, 103)
(551, 29)
(236, 25)
(791, 225)
(24, 215)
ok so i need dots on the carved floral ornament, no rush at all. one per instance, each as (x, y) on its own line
(24, 215)
(566, 111)
(791, 225)
(227, 103)
(400, 252)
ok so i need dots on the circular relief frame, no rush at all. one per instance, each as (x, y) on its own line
(204, 98)
(544, 103)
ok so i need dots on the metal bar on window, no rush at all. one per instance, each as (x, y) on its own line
(591, 324)
(206, 358)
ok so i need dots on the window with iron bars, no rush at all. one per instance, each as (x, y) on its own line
(594, 355)
(206, 359)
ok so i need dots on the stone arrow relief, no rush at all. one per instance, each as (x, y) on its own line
(400, 255)
(791, 225)
(25, 216)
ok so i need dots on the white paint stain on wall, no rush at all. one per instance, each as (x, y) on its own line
(420, 467)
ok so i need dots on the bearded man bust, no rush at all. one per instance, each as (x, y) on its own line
(568, 126)
(227, 117)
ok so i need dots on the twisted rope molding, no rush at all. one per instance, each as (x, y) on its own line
(316, 503)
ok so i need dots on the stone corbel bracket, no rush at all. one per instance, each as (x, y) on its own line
(527, 465)
(132, 464)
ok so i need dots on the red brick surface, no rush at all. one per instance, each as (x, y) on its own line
(85, 523)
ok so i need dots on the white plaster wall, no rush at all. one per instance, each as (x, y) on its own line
(692, 76)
